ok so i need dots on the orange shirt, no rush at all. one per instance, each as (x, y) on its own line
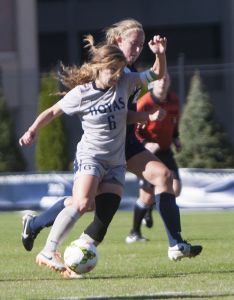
(160, 132)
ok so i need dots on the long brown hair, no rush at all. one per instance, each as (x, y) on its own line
(102, 56)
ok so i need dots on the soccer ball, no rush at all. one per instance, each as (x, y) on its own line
(81, 256)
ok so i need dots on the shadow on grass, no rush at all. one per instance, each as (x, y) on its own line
(121, 277)
(164, 275)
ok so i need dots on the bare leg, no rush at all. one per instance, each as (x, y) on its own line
(146, 166)
(177, 187)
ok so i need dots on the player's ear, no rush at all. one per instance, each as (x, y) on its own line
(119, 40)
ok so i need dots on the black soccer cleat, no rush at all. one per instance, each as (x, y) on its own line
(148, 219)
(28, 236)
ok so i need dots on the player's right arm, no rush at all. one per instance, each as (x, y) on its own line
(42, 120)
(158, 46)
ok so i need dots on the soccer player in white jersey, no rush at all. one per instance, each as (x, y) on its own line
(129, 36)
(99, 97)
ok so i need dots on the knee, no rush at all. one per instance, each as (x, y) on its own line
(81, 204)
(167, 176)
(85, 204)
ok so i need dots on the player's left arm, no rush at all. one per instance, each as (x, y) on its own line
(158, 47)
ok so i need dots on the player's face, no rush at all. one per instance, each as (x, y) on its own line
(132, 46)
(161, 86)
(108, 77)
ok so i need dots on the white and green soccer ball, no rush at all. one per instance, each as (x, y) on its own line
(81, 256)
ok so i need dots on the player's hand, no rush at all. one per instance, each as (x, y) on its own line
(177, 144)
(152, 147)
(157, 115)
(28, 138)
(142, 125)
(158, 45)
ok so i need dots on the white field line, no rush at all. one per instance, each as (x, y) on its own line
(153, 296)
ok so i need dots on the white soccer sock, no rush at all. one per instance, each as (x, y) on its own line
(63, 224)
(86, 237)
(141, 204)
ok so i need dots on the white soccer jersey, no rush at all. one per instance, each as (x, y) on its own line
(103, 116)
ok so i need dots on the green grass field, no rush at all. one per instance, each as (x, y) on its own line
(136, 271)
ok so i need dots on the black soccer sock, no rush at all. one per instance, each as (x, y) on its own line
(47, 218)
(139, 213)
(170, 214)
(106, 205)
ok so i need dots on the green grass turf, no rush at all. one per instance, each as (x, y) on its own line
(126, 270)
